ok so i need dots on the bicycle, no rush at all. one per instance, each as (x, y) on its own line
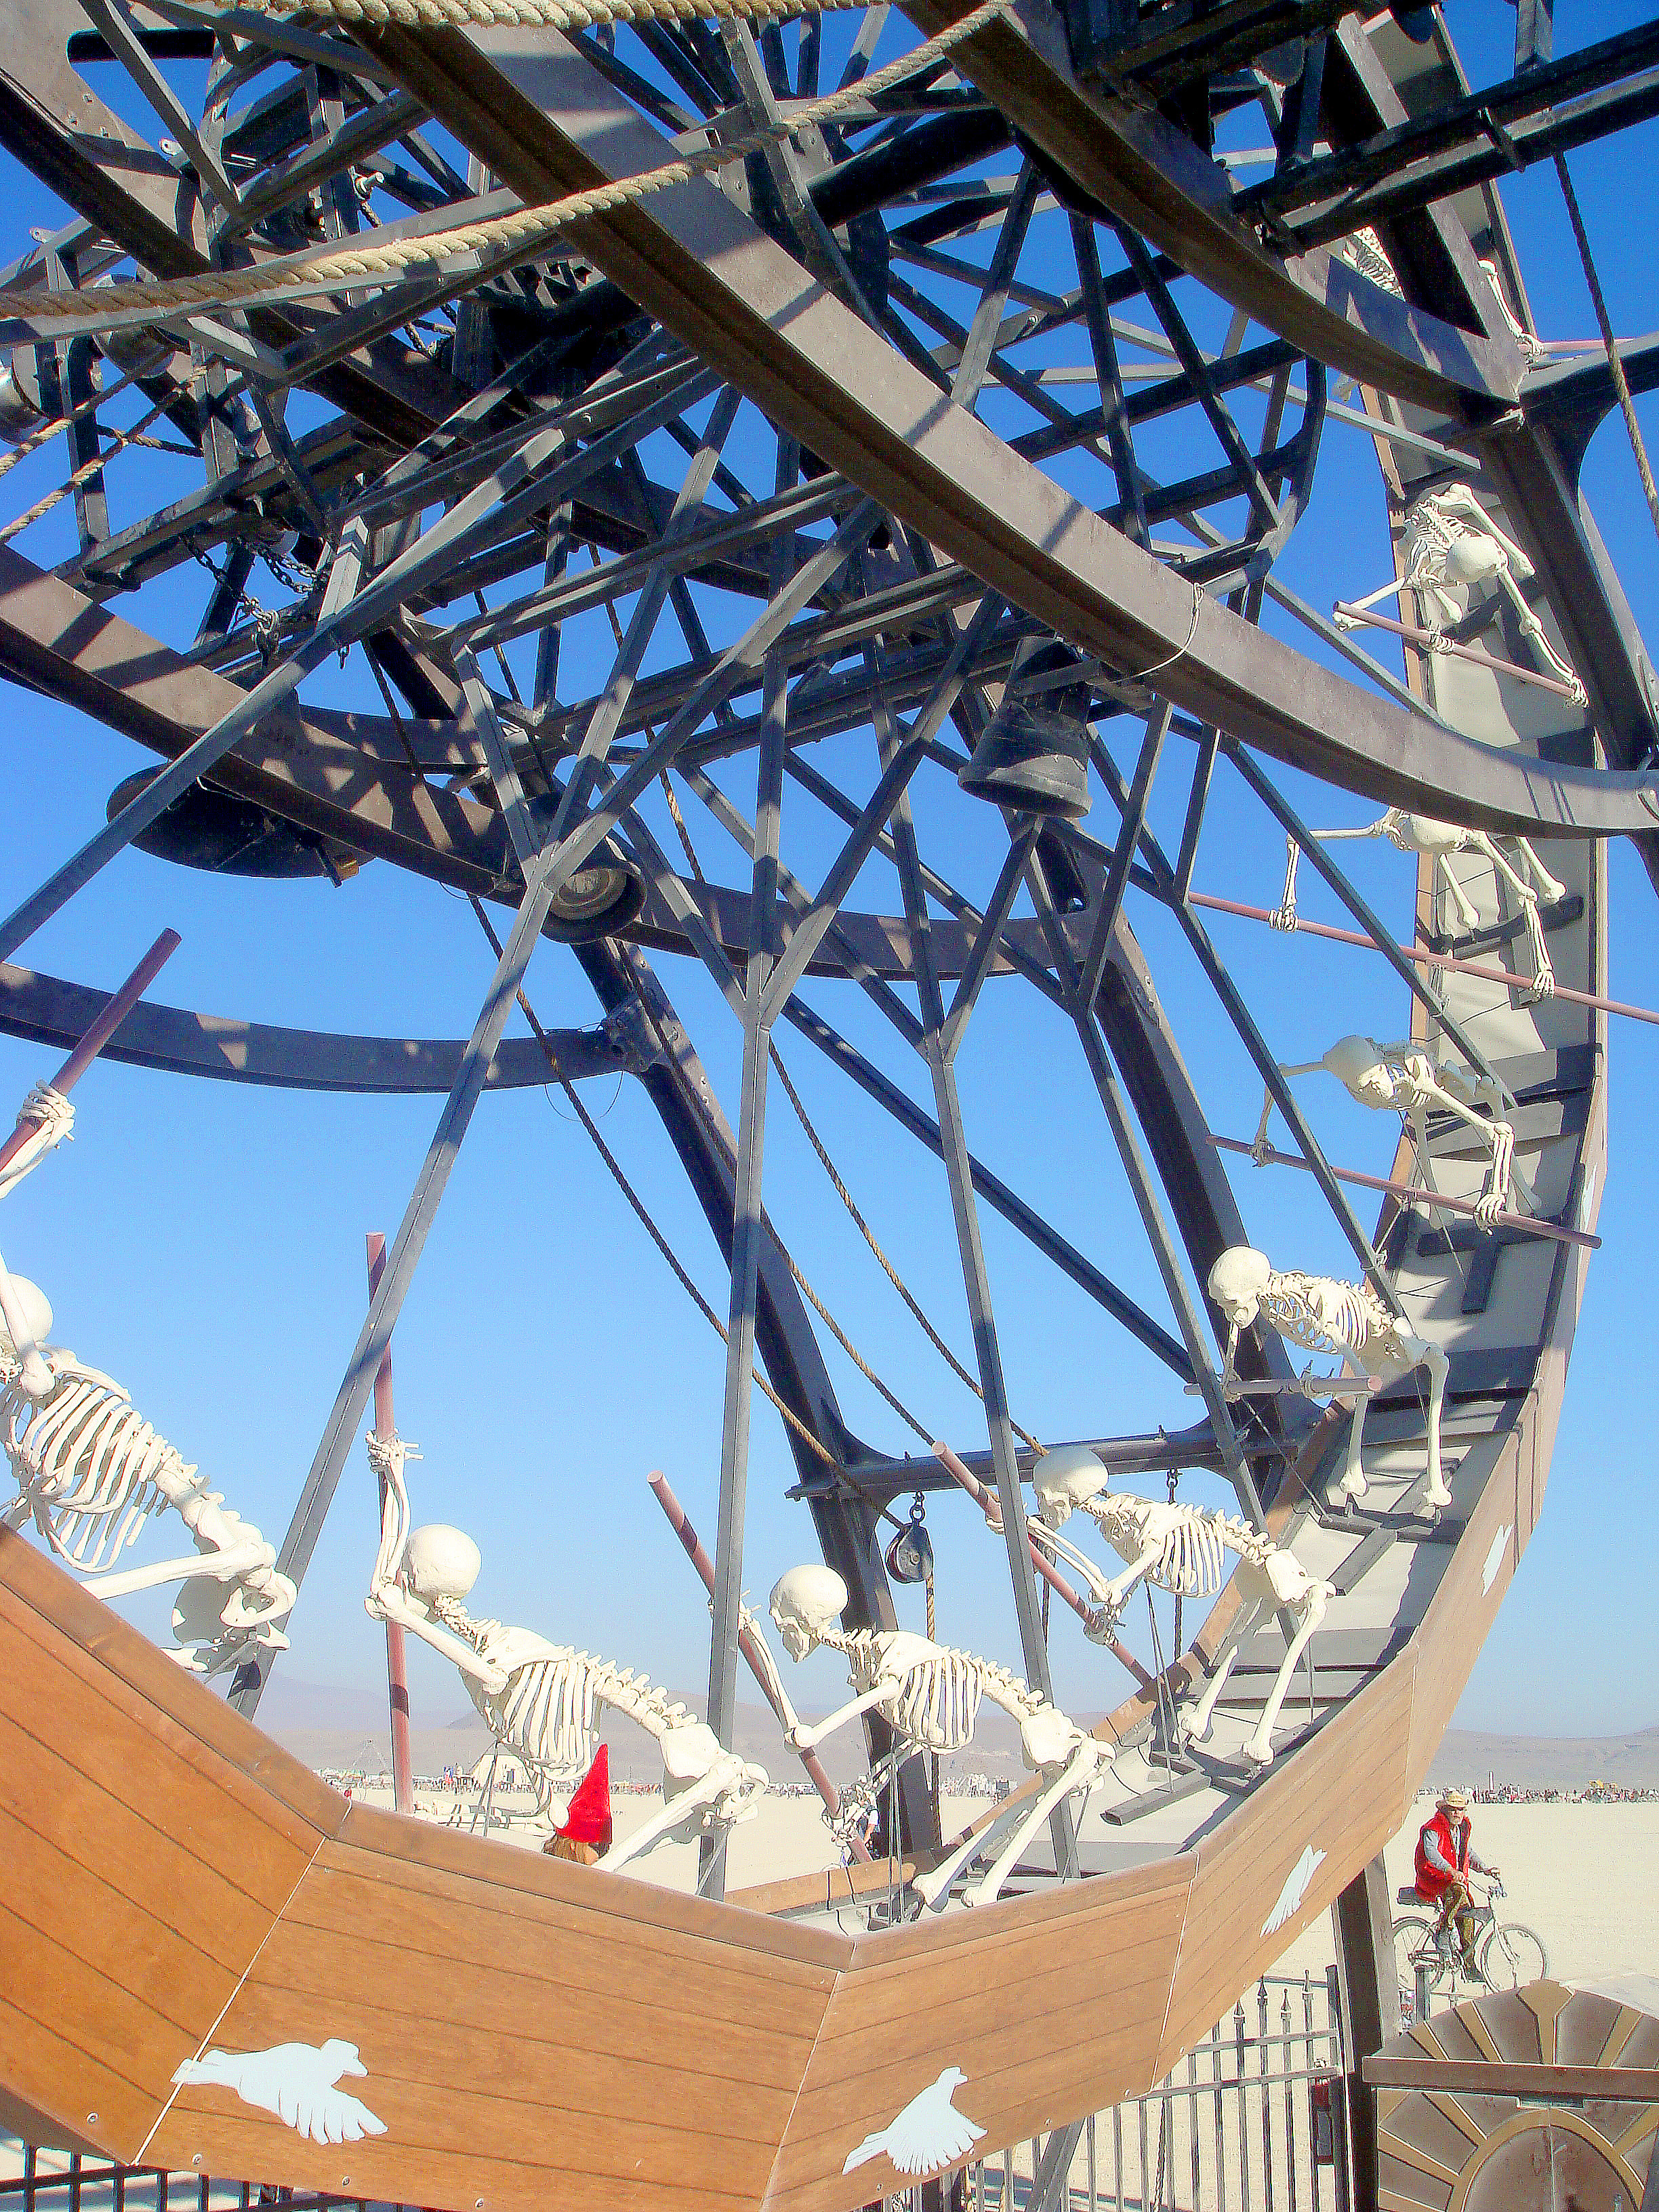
(1506, 1954)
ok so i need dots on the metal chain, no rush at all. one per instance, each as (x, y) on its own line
(1615, 364)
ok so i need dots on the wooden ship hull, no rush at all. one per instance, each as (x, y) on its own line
(535, 2032)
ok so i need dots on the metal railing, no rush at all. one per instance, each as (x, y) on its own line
(1253, 2120)
(63, 2181)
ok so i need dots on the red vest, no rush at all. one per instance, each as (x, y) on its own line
(1432, 1884)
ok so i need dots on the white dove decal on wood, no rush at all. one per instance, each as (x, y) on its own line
(1494, 1558)
(1295, 1889)
(928, 2134)
(297, 2082)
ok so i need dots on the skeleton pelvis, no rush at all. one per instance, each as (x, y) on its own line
(688, 1753)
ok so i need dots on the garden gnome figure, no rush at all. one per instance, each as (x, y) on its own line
(584, 1833)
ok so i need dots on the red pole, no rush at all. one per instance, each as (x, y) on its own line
(115, 1011)
(679, 1521)
(396, 1664)
(1415, 1193)
(991, 1506)
(1426, 959)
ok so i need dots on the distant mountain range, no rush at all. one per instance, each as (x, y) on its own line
(1549, 1762)
(347, 1728)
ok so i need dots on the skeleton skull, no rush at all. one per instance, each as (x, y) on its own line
(805, 1602)
(441, 1562)
(1237, 1280)
(1065, 1479)
(1358, 1063)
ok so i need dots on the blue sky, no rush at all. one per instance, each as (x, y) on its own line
(204, 1241)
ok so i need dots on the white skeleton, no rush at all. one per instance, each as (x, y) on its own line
(1180, 1548)
(541, 1701)
(1323, 1315)
(91, 1471)
(930, 1697)
(1405, 1079)
(1438, 841)
(1451, 542)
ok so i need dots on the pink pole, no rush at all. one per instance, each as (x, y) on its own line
(991, 1506)
(1427, 960)
(115, 1011)
(679, 1521)
(397, 1657)
(1413, 1191)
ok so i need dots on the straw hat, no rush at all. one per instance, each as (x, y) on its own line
(1455, 1801)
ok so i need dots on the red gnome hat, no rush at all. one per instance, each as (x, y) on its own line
(588, 1819)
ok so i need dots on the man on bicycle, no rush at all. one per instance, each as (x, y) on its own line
(1444, 1860)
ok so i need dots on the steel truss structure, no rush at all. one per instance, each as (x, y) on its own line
(996, 388)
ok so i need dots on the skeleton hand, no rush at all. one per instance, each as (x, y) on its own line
(1285, 917)
(1259, 1148)
(1100, 1622)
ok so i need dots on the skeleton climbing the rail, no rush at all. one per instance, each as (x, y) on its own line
(1321, 1313)
(1404, 1079)
(542, 1701)
(1438, 841)
(930, 1697)
(1451, 543)
(1180, 1548)
(91, 1472)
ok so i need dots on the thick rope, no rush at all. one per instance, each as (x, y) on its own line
(118, 439)
(891, 1272)
(519, 236)
(531, 14)
(842, 1192)
(1615, 364)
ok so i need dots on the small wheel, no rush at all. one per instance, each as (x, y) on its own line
(1416, 1944)
(1512, 1955)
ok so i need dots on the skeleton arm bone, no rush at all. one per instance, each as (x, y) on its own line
(34, 1377)
(804, 1739)
(758, 1653)
(394, 1604)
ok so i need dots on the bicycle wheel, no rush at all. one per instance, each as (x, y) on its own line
(1511, 1955)
(1416, 1945)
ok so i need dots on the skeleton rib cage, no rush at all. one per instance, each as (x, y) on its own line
(547, 1713)
(90, 1469)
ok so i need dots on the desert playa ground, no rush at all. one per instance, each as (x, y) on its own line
(1585, 1876)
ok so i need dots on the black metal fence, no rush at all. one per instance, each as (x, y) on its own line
(62, 2181)
(1253, 2120)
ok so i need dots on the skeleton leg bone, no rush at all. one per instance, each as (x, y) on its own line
(1260, 1749)
(1197, 1718)
(1080, 1773)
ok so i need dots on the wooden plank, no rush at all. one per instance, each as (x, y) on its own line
(47, 2069)
(97, 1923)
(458, 1910)
(1478, 2077)
(161, 1686)
(128, 2047)
(619, 1897)
(983, 1991)
(98, 1836)
(238, 2141)
(532, 2001)
(59, 1694)
(1341, 1795)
